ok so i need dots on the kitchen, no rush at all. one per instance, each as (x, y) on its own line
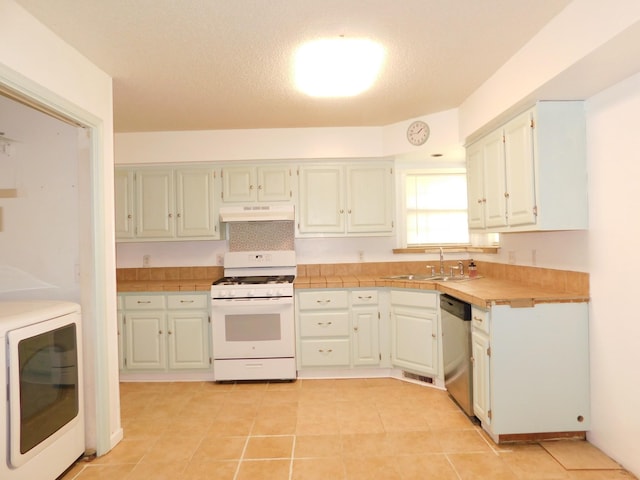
(604, 251)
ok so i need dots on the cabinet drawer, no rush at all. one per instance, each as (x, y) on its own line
(188, 301)
(364, 297)
(144, 302)
(414, 299)
(323, 300)
(330, 352)
(480, 319)
(331, 324)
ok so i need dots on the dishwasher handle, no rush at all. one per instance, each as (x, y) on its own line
(455, 307)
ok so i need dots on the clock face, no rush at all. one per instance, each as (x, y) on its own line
(418, 133)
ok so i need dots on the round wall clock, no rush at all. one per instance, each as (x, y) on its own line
(418, 132)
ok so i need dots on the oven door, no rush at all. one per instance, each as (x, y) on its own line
(253, 328)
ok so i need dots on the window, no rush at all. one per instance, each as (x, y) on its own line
(436, 208)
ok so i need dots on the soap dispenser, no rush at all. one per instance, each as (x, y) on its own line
(473, 271)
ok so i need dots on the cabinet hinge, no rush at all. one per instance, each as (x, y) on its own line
(380, 356)
(124, 361)
(535, 210)
(533, 123)
(378, 315)
(210, 361)
(290, 193)
(490, 414)
(489, 352)
(209, 318)
(504, 140)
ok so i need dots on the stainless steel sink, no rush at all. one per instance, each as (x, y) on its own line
(432, 278)
(410, 277)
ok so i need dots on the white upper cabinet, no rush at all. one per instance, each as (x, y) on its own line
(249, 184)
(155, 203)
(195, 209)
(165, 203)
(530, 174)
(345, 199)
(124, 203)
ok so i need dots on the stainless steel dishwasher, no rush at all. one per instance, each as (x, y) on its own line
(456, 350)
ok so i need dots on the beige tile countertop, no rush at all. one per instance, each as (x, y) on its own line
(499, 284)
(482, 292)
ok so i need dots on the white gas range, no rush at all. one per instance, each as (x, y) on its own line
(252, 317)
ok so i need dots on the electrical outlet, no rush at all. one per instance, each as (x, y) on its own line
(361, 255)
(146, 261)
(534, 257)
(220, 259)
(512, 257)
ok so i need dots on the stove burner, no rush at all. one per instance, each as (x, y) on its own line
(255, 280)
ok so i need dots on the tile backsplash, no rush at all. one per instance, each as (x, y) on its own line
(253, 236)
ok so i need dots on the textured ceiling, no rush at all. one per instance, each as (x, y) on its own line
(225, 64)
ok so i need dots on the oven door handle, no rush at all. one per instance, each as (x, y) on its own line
(240, 302)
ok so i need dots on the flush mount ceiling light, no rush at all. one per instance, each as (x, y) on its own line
(337, 67)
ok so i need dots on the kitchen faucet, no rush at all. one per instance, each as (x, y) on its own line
(441, 262)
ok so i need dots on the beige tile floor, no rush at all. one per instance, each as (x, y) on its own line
(320, 429)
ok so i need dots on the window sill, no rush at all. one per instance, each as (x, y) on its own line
(448, 249)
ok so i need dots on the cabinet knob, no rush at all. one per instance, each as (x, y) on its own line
(159, 332)
(250, 187)
(129, 217)
(259, 187)
(349, 211)
(341, 210)
(478, 319)
(169, 332)
(433, 335)
(171, 215)
(506, 194)
(355, 329)
(179, 215)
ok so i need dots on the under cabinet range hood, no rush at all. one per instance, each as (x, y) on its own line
(257, 213)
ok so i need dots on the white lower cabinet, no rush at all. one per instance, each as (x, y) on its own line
(164, 332)
(480, 356)
(337, 328)
(414, 332)
(531, 369)
(365, 327)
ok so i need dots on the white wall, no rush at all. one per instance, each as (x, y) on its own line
(614, 169)
(39, 243)
(41, 66)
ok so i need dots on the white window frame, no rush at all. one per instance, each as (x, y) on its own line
(401, 202)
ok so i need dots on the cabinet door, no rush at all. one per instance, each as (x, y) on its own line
(414, 340)
(239, 184)
(188, 340)
(365, 336)
(123, 184)
(155, 204)
(481, 376)
(121, 363)
(494, 180)
(369, 199)
(274, 184)
(321, 199)
(475, 186)
(520, 177)
(195, 203)
(145, 340)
